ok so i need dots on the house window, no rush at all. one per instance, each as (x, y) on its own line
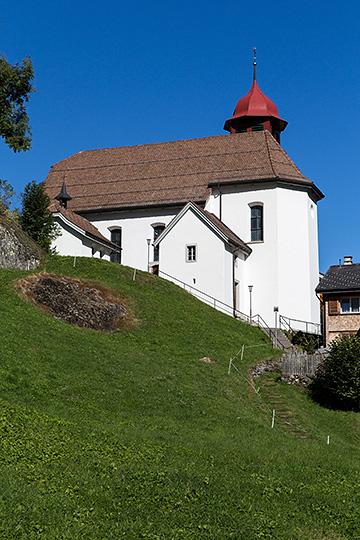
(350, 305)
(158, 229)
(116, 238)
(191, 253)
(257, 234)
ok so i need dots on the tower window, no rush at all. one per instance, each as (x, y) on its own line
(116, 238)
(258, 127)
(257, 233)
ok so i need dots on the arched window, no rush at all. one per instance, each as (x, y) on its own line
(158, 229)
(116, 238)
(257, 230)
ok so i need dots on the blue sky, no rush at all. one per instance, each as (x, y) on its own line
(117, 73)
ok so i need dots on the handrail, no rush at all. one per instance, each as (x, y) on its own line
(259, 321)
(210, 300)
(286, 321)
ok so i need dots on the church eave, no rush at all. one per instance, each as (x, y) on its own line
(272, 179)
(130, 208)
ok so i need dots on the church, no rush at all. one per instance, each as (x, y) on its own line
(229, 217)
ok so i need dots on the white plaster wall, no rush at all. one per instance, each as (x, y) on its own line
(136, 228)
(212, 271)
(260, 268)
(283, 269)
(298, 255)
(74, 244)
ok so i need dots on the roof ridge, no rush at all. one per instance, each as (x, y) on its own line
(267, 133)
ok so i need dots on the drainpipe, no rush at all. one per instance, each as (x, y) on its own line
(233, 283)
(220, 202)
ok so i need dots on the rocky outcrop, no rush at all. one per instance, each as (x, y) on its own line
(75, 301)
(17, 249)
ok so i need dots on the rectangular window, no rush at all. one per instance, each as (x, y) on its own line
(191, 253)
(350, 305)
(257, 223)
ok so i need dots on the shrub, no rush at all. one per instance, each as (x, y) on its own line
(337, 380)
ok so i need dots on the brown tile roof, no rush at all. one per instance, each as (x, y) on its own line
(170, 173)
(233, 238)
(81, 222)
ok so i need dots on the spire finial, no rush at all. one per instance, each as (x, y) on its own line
(254, 63)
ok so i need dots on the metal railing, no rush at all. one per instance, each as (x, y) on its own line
(208, 299)
(294, 325)
(257, 320)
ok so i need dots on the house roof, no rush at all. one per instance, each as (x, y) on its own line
(171, 173)
(218, 226)
(340, 279)
(81, 223)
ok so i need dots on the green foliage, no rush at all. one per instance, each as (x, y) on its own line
(15, 87)
(303, 341)
(36, 219)
(129, 435)
(337, 381)
(6, 195)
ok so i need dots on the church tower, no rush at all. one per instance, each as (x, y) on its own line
(256, 112)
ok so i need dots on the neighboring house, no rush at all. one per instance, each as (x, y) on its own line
(339, 291)
(218, 213)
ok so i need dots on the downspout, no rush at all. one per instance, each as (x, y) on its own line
(322, 316)
(233, 282)
(220, 202)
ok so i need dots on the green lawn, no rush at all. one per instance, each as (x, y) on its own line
(129, 435)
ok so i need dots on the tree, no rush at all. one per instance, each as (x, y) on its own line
(36, 219)
(337, 380)
(6, 194)
(15, 87)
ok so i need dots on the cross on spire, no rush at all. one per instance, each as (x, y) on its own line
(254, 63)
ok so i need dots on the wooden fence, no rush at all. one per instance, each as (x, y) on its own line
(300, 363)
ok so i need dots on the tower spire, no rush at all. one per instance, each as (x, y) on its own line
(256, 112)
(254, 63)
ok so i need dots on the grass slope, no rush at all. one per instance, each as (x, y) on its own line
(129, 435)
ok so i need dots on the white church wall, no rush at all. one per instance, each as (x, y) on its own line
(136, 227)
(283, 268)
(73, 243)
(211, 272)
(260, 269)
(297, 256)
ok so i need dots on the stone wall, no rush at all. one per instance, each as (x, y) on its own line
(17, 249)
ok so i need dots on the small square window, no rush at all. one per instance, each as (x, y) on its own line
(191, 253)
